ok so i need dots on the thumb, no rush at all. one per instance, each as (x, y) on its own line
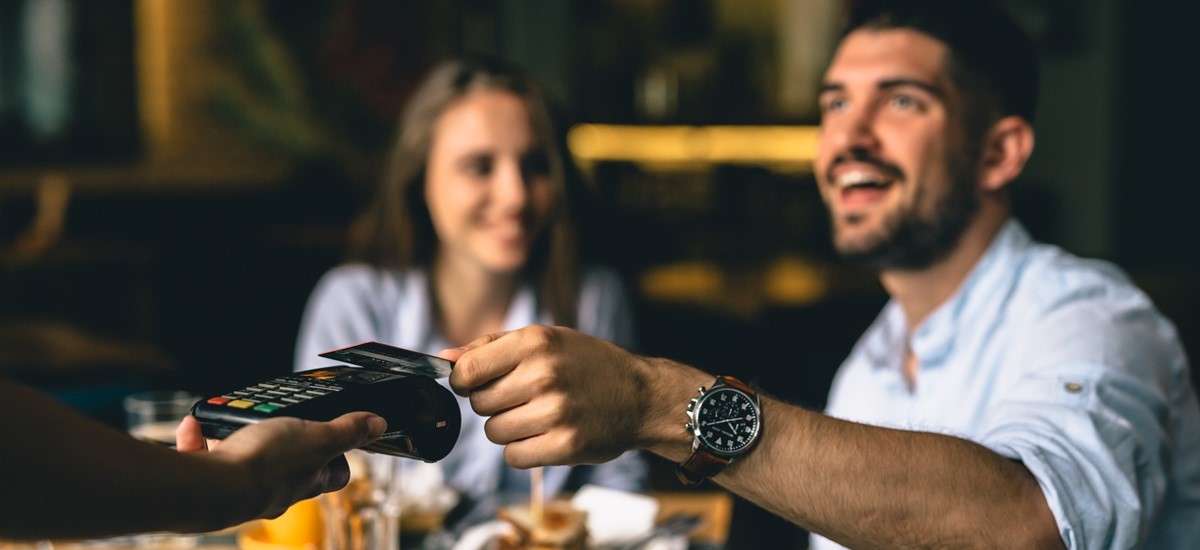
(188, 437)
(354, 430)
(452, 354)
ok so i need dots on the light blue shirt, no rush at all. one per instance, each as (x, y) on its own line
(1060, 363)
(355, 303)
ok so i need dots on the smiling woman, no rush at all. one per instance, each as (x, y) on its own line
(473, 231)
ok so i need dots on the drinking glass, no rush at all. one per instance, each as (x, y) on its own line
(365, 515)
(153, 415)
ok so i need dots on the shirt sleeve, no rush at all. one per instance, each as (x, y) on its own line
(340, 312)
(604, 308)
(1090, 417)
(627, 472)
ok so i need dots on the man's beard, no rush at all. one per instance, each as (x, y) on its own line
(912, 241)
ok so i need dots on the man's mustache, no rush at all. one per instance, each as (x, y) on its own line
(863, 157)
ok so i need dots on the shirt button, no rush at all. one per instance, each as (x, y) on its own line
(1073, 387)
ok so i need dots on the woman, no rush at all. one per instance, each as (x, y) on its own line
(473, 231)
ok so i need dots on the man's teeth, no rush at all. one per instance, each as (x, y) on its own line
(857, 178)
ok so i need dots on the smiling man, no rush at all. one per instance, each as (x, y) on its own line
(1009, 395)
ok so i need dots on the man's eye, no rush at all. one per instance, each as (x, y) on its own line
(905, 102)
(833, 105)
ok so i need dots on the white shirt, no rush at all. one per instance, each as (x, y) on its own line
(1062, 364)
(355, 303)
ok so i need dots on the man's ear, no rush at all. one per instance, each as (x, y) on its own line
(1006, 148)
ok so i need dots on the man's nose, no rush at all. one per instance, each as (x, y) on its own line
(853, 130)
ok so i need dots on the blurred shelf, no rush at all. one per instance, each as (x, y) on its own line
(781, 148)
(786, 281)
(176, 175)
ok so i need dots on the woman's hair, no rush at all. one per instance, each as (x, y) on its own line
(396, 230)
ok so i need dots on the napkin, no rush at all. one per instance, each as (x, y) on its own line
(613, 516)
(423, 488)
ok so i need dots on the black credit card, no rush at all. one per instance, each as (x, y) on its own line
(382, 356)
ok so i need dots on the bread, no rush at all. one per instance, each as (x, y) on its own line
(562, 527)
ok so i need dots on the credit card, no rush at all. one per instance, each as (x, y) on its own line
(374, 355)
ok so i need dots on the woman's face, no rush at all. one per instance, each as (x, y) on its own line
(488, 184)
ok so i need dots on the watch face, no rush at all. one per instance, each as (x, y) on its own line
(726, 420)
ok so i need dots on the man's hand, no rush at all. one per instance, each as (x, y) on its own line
(554, 395)
(284, 460)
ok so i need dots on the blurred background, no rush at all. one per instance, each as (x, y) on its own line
(175, 176)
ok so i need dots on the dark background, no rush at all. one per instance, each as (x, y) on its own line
(190, 235)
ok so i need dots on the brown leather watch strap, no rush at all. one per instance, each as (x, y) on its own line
(737, 384)
(699, 467)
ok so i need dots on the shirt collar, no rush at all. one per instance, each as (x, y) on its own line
(934, 338)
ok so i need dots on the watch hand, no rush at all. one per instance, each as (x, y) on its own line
(726, 421)
(724, 432)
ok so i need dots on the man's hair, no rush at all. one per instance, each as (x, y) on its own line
(991, 60)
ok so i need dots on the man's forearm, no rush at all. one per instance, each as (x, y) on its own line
(66, 476)
(865, 486)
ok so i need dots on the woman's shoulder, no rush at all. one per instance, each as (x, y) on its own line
(378, 282)
(604, 310)
(601, 280)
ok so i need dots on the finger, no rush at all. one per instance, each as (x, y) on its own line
(188, 437)
(334, 476)
(353, 430)
(453, 354)
(479, 365)
(524, 422)
(535, 451)
(523, 384)
(485, 339)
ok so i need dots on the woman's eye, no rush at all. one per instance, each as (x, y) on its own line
(478, 166)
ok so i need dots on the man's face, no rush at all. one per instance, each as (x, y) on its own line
(893, 165)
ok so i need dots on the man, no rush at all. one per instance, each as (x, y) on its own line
(1009, 395)
(66, 476)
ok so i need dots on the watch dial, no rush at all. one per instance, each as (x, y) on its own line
(727, 420)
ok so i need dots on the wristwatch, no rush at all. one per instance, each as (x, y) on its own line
(725, 421)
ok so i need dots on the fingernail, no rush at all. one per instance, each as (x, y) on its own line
(376, 426)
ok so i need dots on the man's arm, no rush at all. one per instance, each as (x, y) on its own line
(556, 396)
(865, 486)
(66, 476)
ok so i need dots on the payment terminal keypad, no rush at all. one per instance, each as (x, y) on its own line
(273, 395)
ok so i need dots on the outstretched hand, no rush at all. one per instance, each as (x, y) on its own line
(286, 460)
(554, 395)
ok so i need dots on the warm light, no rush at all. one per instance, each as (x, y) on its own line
(775, 146)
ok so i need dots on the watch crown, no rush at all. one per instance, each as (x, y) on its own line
(688, 426)
(691, 405)
(703, 390)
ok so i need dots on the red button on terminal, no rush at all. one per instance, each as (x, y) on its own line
(218, 400)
